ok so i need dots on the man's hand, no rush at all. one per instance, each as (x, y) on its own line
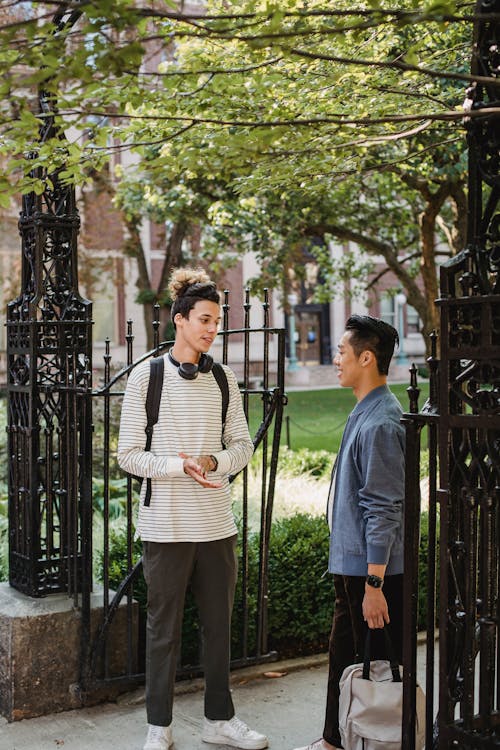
(197, 469)
(375, 609)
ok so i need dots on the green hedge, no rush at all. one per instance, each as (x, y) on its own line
(300, 594)
(423, 577)
(4, 548)
(304, 461)
(300, 599)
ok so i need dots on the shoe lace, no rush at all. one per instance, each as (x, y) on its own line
(239, 726)
(156, 733)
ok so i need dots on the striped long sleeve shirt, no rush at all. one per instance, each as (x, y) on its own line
(190, 421)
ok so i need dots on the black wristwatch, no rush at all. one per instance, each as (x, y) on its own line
(375, 581)
(216, 463)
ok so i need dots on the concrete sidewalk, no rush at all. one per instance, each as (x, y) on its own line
(288, 708)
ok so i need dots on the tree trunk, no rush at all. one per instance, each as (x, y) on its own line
(428, 267)
(459, 208)
(173, 254)
(134, 249)
(416, 298)
(173, 258)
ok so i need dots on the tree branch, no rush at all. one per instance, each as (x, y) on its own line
(448, 116)
(398, 65)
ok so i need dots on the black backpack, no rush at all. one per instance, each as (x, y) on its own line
(153, 398)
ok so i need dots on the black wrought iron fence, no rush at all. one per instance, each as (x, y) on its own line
(463, 421)
(421, 425)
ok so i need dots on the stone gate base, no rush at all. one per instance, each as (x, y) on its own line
(40, 653)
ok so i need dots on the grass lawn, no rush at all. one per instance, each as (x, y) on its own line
(317, 418)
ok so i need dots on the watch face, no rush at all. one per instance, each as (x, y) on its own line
(374, 581)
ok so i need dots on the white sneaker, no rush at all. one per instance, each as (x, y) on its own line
(233, 732)
(159, 738)
(316, 745)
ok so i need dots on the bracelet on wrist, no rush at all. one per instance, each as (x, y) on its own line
(215, 462)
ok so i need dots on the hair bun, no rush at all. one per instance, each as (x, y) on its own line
(184, 278)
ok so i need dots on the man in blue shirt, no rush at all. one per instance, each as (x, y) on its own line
(365, 510)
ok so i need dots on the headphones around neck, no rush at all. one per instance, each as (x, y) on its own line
(188, 370)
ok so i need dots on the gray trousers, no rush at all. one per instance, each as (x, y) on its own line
(211, 569)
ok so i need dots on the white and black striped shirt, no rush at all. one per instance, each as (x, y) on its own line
(190, 421)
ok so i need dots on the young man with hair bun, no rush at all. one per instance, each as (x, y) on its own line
(187, 526)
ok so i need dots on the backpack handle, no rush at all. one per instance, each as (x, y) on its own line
(393, 662)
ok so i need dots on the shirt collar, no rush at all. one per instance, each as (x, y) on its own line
(370, 399)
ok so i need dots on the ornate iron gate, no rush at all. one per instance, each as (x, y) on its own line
(462, 417)
(99, 669)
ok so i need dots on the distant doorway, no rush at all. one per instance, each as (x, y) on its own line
(312, 334)
(308, 337)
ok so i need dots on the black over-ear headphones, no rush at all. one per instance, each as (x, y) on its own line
(188, 370)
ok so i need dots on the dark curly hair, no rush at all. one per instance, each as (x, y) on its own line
(188, 286)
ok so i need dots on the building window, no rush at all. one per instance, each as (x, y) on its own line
(388, 309)
(104, 314)
(412, 320)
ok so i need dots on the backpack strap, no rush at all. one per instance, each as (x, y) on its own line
(221, 379)
(153, 398)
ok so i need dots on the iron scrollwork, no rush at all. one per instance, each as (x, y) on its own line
(469, 424)
(462, 417)
(49, 350)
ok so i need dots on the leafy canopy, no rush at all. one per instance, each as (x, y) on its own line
(265, 95)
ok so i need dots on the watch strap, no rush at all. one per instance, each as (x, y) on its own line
(375, 581)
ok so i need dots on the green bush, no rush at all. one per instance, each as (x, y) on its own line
(4, 547)
(98, 442)
(300, 600)
(305, 461)
(117, 507)
(117, 572)
(300, 594)
(423, 576)
(300, 597)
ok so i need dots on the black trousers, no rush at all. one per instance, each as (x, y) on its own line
(348, 635)
(211, 569)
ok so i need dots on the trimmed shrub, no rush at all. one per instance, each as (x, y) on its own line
(304, 461)
(423, 576)
(300, 599)
(300, 594)
(4, 542)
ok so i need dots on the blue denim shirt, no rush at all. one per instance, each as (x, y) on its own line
(367, 516)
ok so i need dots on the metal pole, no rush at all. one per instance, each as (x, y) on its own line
(401, 357)
(292, 359)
